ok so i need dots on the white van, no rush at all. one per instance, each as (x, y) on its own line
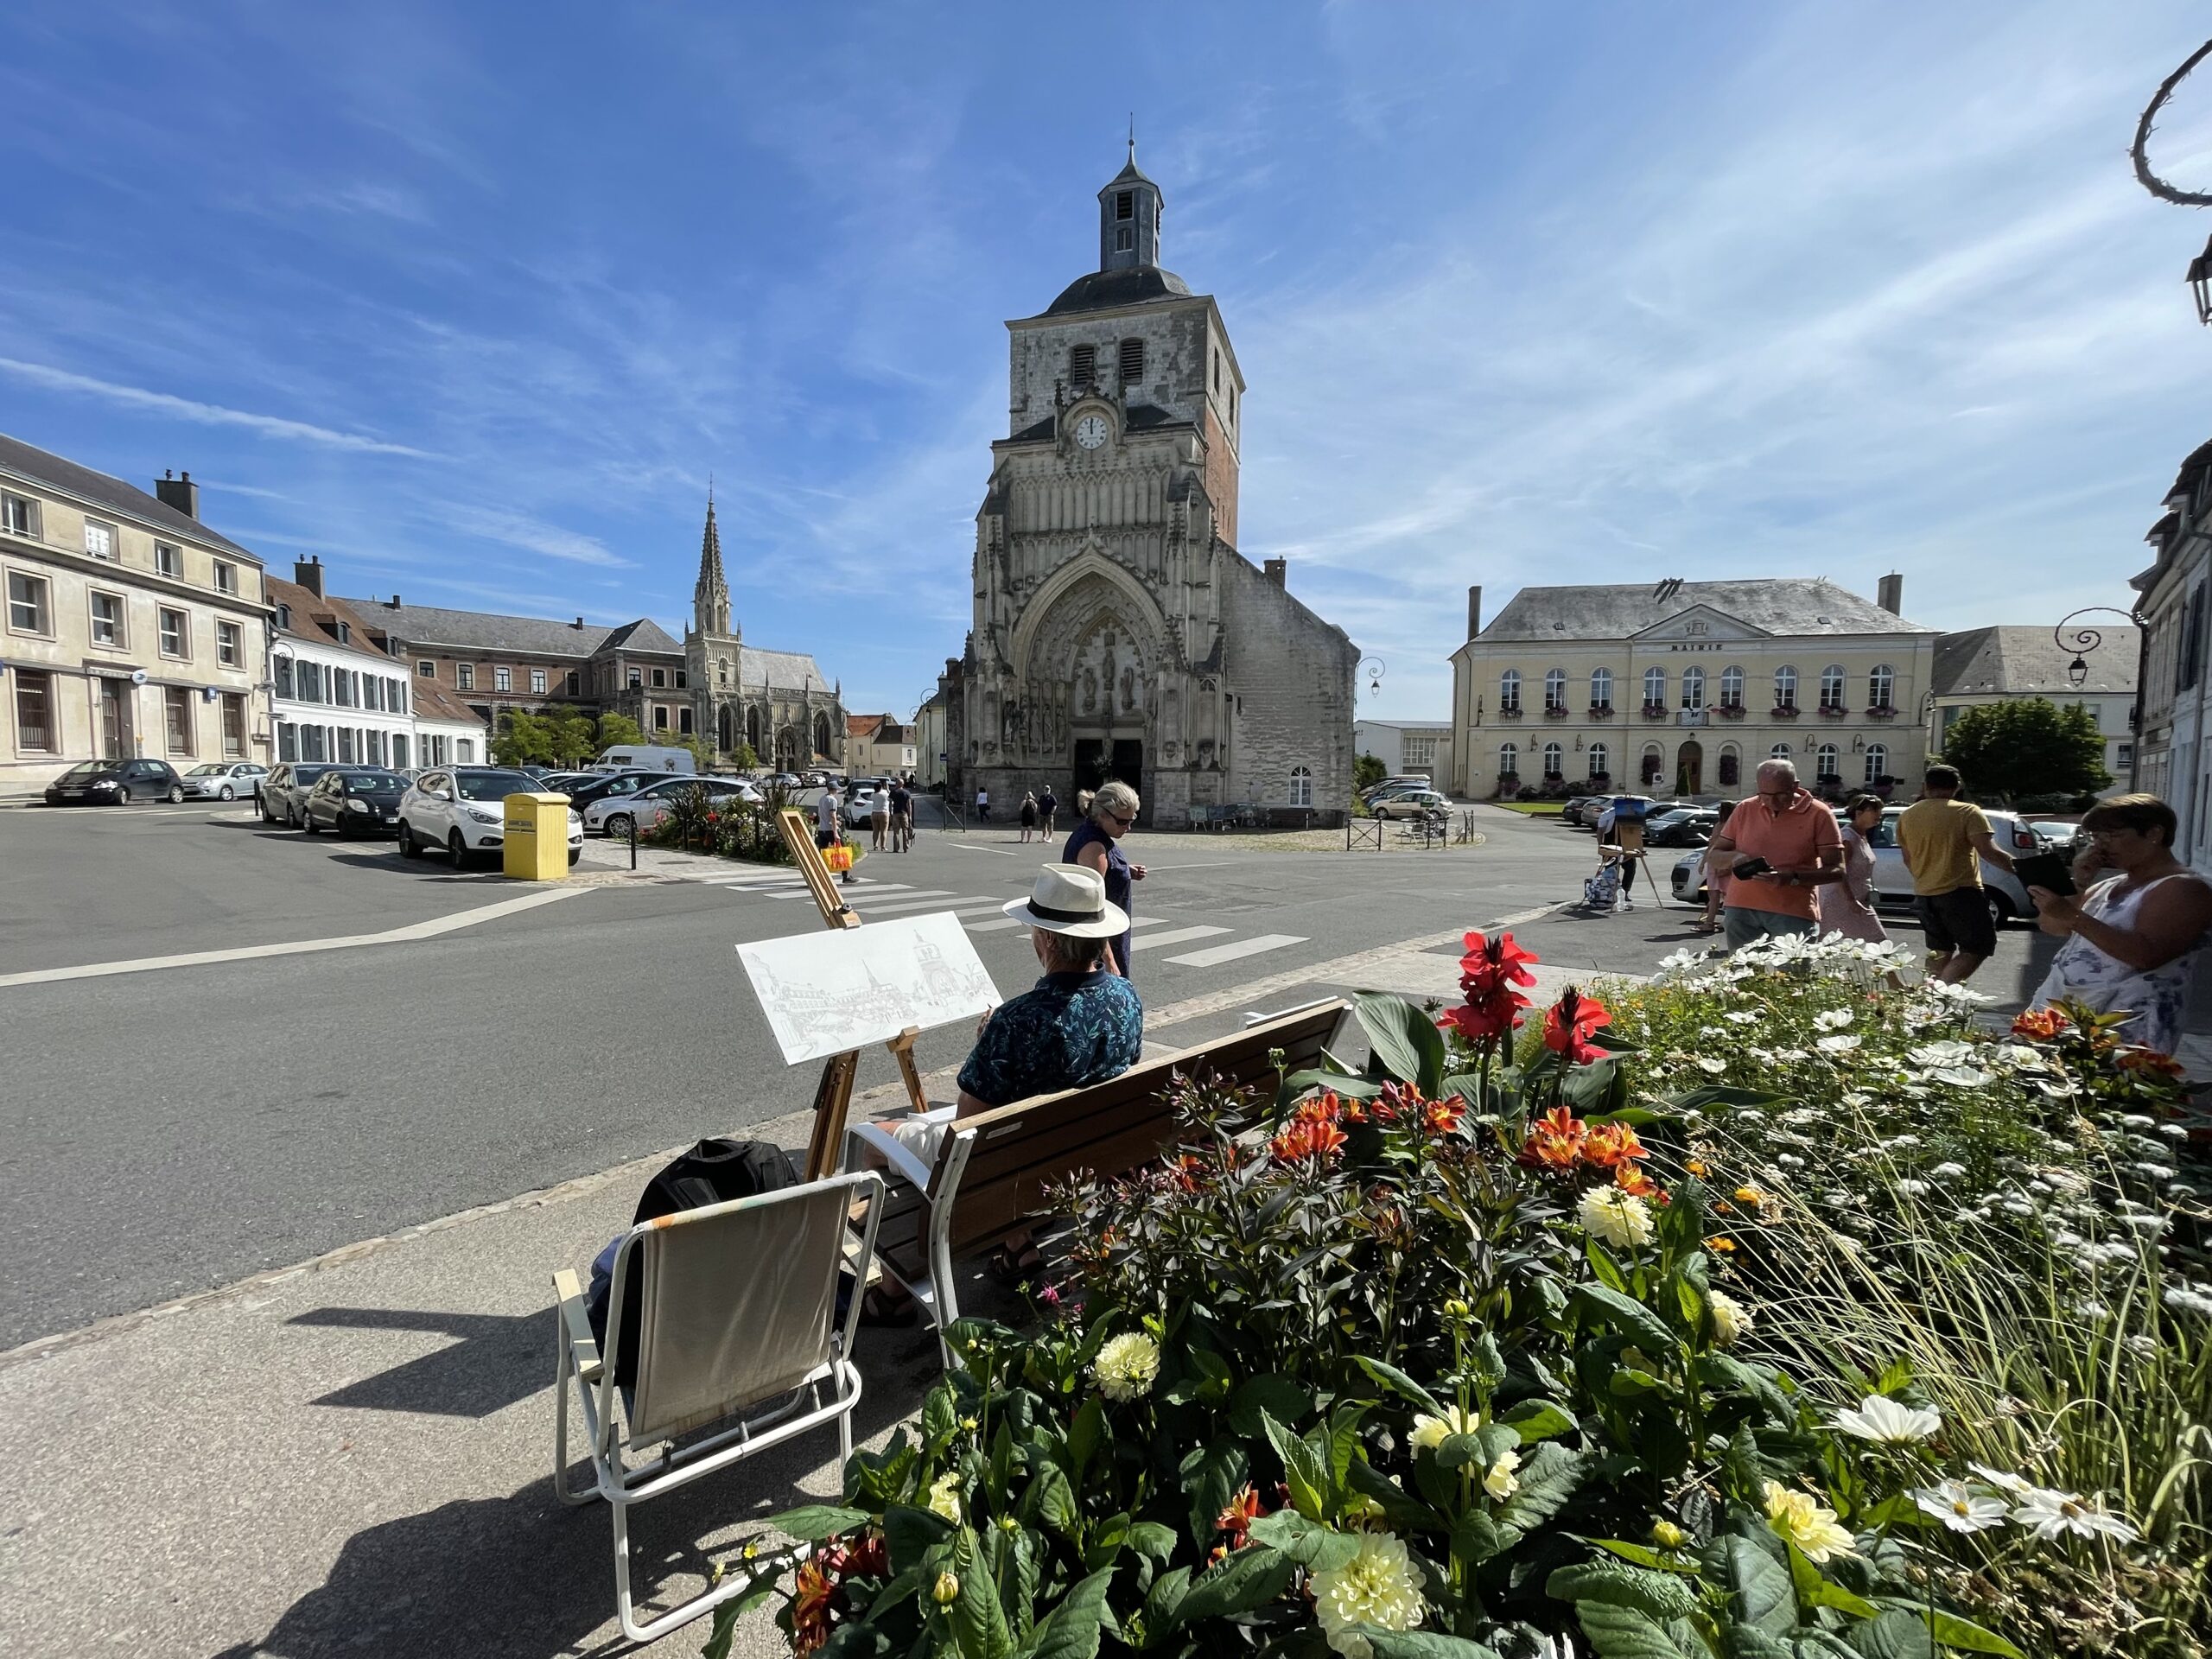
(646, 757)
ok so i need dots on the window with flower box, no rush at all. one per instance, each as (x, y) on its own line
(1693, 688)
(1878, 764)
(1508, 760)
(1731, 690)
(1785, 690)
(1655, 690)
(1509, 692)
(1554, 758)
(1555, 691)
(1601, 690)
(1881, 690)
(1832, 689)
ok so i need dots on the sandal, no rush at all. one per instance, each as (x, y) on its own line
(884, 1306)
(1014, 1266)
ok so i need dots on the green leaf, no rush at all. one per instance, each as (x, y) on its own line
(1660, 1595)
(910, 1532)
(1421, 1644)
(815, 1522)
(1391, 1377)
(1951, 1631)
(1644, 1556)
(1071, 1630)
(1312, 1545)
(1049, 1501)
(979, 1627)
(1894, 1634)
(1285, 1397)
(1215, 1372)
(1163, 1603)
(1455, 1450)
(1249, 1578)
(1303, 1471)
(1015, 1571)
(1617, 1632)
(1602, 1263)
(1539, 1419)
(1402, 1509)
(1765, 1600)
(1343, 1444)
(1475, 1537)
(1629, 1317)
(1405, 1040)
(1085, 1434)
(940, 1418)
(1814, 1591)
(1210, 1476)
(1547, 1478)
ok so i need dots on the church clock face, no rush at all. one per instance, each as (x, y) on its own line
(1090, 431)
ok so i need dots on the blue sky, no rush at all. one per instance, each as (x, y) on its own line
(471, 301)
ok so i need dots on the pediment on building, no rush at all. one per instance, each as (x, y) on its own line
(1701, 622)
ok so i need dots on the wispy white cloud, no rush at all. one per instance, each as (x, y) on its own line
(274, 426)
(515, 530)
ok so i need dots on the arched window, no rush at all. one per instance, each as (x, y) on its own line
(1553, 759)
(1878, 763)
(1301, 786)
(1824, 767)
(1785, 687)
(1555, 691)
(1732, 687)
(1509, 692)
(1731, 766)
(1601, 688)
(1508, 760)
(1651, 765)
(1832, 687)
(1881, 687)
(1779, 751)
(1655, 688)
(1598, 762)
(1693, 688)
(756, 737)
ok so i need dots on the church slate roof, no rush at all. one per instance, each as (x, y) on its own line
(38, 465)
(2026, 660)
(779, 671)
(1107, 291)
(1782, 604)
(643, 634)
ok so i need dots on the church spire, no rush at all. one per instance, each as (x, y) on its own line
(1128, 216)
(710, 599)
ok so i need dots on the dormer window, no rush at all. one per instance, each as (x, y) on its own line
(1083, 366)
(1125, 204)
(1132, 361)
(345, 633)
(284, 617)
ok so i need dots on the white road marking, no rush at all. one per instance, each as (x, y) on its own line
(999, 926)
(429, 929)
(925, 901)
(1230, 952)
(1175, 936)
(888, 887)
(996, 852)
(1147, 921)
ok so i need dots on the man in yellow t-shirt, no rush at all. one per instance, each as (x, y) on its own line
(1944, 840)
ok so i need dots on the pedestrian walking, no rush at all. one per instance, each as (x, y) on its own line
(1028, 814)
(1048, 807)
(982, 804)
(902, 817)
(1944, 840)
(1095, 843)
(1716, 875)
(1780, 845)
(879, 817)
(2134, 935)
(1848, 906)
(828, 821)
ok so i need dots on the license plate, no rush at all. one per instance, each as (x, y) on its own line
(391, 817)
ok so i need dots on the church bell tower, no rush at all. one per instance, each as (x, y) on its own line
(1128, 219)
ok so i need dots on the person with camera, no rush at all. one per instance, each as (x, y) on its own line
(1779, 847)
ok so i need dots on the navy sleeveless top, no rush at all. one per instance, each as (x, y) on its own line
(1118, 882)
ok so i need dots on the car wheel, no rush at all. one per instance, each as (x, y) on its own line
(458, 847)
(261, 805)
(176, 794)
(123, 797)
(308, 822)
(228, 793)
(291, 816)
(409, 847)
(575, 857)
(619, 826)
(2000, 908)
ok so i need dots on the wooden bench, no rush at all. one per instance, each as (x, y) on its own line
(992, 1169)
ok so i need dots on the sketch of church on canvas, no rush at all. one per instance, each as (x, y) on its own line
(827, 992)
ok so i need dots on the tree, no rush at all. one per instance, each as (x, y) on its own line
(1368, 770)
(619, 731)
(745, 759)
(523, 740)
(2028, 745)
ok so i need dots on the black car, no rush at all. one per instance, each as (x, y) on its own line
(605, 783)
(284, 791)
(354, 801)
(115, 782)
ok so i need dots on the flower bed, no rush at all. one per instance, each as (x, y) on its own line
(1529, 1336)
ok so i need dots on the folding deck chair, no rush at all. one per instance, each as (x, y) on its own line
(739, 1322)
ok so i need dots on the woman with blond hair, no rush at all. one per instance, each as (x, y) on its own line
(1095, 845)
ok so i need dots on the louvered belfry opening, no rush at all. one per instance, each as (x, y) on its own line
(1132, 361)
(1082, 366)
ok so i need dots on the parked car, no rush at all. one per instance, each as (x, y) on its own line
(1892, 883)
(2058, 835)
(653, 805)
(659, 758)
(1691, 829)
(284, 789)
(1410, 805)
(613, 815)
(224, 780)
(354, 801)
(603, 785)
(463, 809)
(1572, 812)
(115, 782)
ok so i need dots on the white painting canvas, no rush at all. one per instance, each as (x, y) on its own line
(826, 993)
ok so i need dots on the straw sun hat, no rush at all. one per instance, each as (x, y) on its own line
(1071, 899)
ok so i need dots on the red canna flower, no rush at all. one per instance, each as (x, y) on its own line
(1306, 1138)
(1186, 1171)
(1568, 1025)
(1556, 1140)
(2149, 1060)
(2039, 1024)
(811, 1599)
(1485, 1014)
(1637, 1184)
(1492, 964)
(1243, 1510)
(1611, 1145)
(1444, 1116)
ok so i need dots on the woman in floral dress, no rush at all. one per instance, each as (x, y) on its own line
(1848, 906)
(2133, 937)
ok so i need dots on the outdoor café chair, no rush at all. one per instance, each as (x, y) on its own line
(739, 1328)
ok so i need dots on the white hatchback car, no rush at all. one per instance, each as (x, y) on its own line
(463, 809)
(613, 815)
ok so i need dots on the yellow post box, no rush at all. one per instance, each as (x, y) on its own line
(536, 838)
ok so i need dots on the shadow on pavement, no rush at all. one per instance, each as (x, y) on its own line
(491, 1365)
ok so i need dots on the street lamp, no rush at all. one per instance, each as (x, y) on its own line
(2200, 283)
(2200, 269)
(1373, 668)
(2085, 640)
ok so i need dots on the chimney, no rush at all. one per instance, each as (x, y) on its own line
(578, 623)
(1474, 610)
(307, 573)
(179, 493)
(393, 601)
(1889, 594)
(1279, 572)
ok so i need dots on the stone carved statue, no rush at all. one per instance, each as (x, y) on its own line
(1129, 689)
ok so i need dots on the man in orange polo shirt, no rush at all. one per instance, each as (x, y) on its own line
(1794, 833)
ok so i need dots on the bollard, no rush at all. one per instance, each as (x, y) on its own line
(633, 841)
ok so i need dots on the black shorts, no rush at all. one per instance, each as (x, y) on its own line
(1958, 920)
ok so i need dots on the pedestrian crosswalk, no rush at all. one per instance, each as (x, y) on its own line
(872, 896)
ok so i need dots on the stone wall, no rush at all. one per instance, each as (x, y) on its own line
(1294, 679)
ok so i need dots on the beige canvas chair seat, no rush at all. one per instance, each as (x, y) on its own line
(738, 1327)
(991, 1171)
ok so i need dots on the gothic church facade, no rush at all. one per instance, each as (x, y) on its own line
(775, 701)
(1117, 633)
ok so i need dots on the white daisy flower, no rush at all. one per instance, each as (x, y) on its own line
(1961, 1507)
(1880, 1419)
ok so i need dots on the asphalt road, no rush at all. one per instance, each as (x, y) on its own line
(166, 1131)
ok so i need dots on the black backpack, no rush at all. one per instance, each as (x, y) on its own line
(713, 1172)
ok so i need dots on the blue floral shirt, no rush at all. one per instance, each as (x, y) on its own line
(1068, 1031)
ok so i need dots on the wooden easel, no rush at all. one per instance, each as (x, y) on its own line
(833, 1096)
